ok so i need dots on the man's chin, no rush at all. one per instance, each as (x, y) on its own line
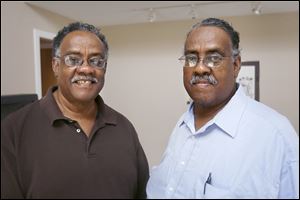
(82, 96)
(85, 93)
(202, 101)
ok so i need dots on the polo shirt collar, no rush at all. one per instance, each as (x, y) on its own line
(105, 114)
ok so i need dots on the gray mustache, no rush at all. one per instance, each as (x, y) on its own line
(209, 78)
(84, 78)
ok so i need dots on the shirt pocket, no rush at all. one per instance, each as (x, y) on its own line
(210, 191)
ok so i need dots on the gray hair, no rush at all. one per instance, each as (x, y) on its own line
(77, 26)
(234, 35)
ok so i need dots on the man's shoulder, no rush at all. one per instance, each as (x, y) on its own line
(116, 115)
(13, 123)
(270, 120)
(21, 113)
(266, 113)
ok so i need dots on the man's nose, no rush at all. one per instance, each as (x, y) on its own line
(85, 67)
(201, 67)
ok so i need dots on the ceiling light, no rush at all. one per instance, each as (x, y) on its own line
(152, 12)
(193, 12)
(152, 15)
(256, 8)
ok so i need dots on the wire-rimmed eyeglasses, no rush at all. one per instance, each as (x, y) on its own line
(211, 61)
(76, 61)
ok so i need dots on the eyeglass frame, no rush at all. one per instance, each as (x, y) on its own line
(104, 60)
(187, 64)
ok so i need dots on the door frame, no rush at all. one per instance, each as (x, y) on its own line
(37, 35)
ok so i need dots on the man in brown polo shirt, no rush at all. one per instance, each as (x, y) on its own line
(70, 144)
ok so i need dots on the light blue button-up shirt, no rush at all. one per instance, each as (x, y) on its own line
(249, 150)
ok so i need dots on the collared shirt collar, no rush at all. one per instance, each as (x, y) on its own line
(226, 119)
(49, 105)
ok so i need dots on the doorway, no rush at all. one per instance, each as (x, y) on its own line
(48, 78)
(42, 54)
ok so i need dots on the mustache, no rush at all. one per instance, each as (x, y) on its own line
(84, 78)
(209, 78)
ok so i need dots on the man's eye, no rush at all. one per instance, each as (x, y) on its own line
(95, 61)
(74, 60)
(191, 59)
(214, 58)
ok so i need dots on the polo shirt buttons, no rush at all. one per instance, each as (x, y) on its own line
(78, 130)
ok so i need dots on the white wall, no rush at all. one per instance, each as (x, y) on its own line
(144, 77)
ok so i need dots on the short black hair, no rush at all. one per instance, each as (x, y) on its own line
(234, 35)
(77, 26)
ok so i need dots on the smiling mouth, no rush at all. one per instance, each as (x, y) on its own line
(84, 82)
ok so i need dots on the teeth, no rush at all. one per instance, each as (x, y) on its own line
(83, 82)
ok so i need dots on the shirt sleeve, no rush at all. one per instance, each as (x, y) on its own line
(289, 184)
(142, 167)
(10, 184)
(143, 173)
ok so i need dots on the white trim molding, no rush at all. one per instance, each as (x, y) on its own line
(37, 35)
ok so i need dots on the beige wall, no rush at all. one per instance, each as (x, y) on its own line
(17, 52)
(144, 77)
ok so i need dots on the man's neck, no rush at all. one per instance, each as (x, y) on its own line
(75, 110)
(204, 113)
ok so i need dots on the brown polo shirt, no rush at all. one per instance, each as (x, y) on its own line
(46, 155)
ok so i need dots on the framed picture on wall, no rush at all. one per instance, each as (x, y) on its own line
(248, 78)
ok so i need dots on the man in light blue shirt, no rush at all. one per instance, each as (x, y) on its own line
(226, 145)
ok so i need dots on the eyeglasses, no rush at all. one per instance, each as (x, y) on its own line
(76, 61)
(211, 61)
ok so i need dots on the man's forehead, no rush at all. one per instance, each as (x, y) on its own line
(208, 36)
(208, 33)
(80, 35)
(79, 39)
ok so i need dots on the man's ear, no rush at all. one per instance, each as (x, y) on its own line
(105, 66)
(237, 66)
(55, 66)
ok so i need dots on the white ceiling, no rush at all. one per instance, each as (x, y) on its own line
(106, 13)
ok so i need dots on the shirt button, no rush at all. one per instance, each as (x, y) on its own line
(78, 130)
